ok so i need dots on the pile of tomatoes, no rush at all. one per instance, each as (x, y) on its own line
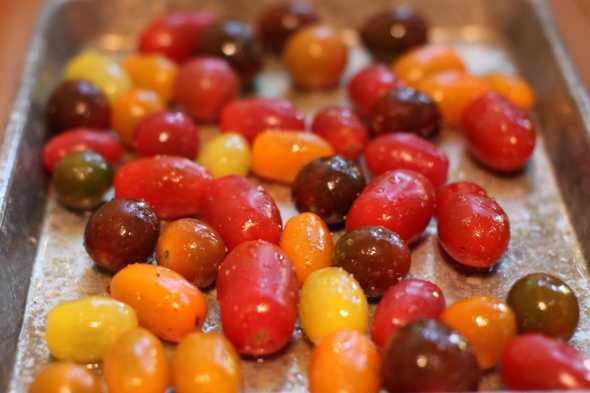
(188, 218)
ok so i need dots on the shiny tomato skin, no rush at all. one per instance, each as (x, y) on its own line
(473, 229)
(251, 116)
(368, 85)
(407, 151)
(241, 210)
(342, 129)
(499, 134)
(449, 190)
(536, 362)
(405, 302)
(400, 200)
(258, 295)
(175, 35)
(167, 133)
(174, 186)
(104, 143)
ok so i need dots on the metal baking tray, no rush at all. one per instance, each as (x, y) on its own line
(42, 261)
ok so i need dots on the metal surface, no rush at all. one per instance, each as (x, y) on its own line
(40, 242)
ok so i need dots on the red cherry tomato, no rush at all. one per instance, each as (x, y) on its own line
(342, 129)
(104, 143)
(204, 86)
(241, 210)
(251, 116)
(167, 133)
(257, 291)
(536, 362)
(448, 191)
(368, 85)
(176, 35)
(473, 229)
(407, 151)
(499, 135)
(174, 186)
(400, 200)
(405, 302)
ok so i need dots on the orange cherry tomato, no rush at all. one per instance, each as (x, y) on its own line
(513, 87)
(453, 91)
(486, 322)
(165, 303)
(345, 361)
(424, 61)
(279, 155)
(307, 241)
(65, 377)
(152, 72)
(206, 362)
(130, 108)
(136, 363)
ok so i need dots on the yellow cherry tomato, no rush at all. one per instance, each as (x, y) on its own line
(136, 363)
(427, 60)
(102, 71)
(82, 330)
(152, 72)
(513, 87)
(486, 322)
(226, 154)
(331, 299)
(130, 108)
(206, 363)
(307, 241)
(65, 377)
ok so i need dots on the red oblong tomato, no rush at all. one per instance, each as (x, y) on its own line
(448, 191)
(171, 133)
(536, 362)
(176, 35)
(368, 85)
(257, 291)
(499, 134)
(473, 229)
(104, 143)
(405, 302)
(407, 151)
(241, 210)
(342, 129)
(400, 200)
(174, 186)
(251, 116)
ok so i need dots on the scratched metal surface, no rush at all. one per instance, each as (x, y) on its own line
(42, 261)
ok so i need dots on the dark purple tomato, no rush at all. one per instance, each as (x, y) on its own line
(427, 356)
(77, 103)
(121, 232)
(327, 187)
(167, 133)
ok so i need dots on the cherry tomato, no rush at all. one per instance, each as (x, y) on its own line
(279, 155)
(342, 129)
(316, 57)
(251, 116)
(345, 361)
(152, 72)
(424, 61)
(175, 187)
(130, 108)
(63, 377)
(368, 85)
(166, 304)
(536, 362)
(136, 363)
(258, 292)
(473, 229)
(407, 151)
(204, 86)
(332, 300)
(499, 135)
(307, 241)
(241, 210)
(226, 154)
(401, 201)
(278, 21)
(103, 143)
(192, 248)
(486, 322)
(175, 35)
(448, 191)
(169, 133)
(206, 362)
(513, 87)
(405, 302)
